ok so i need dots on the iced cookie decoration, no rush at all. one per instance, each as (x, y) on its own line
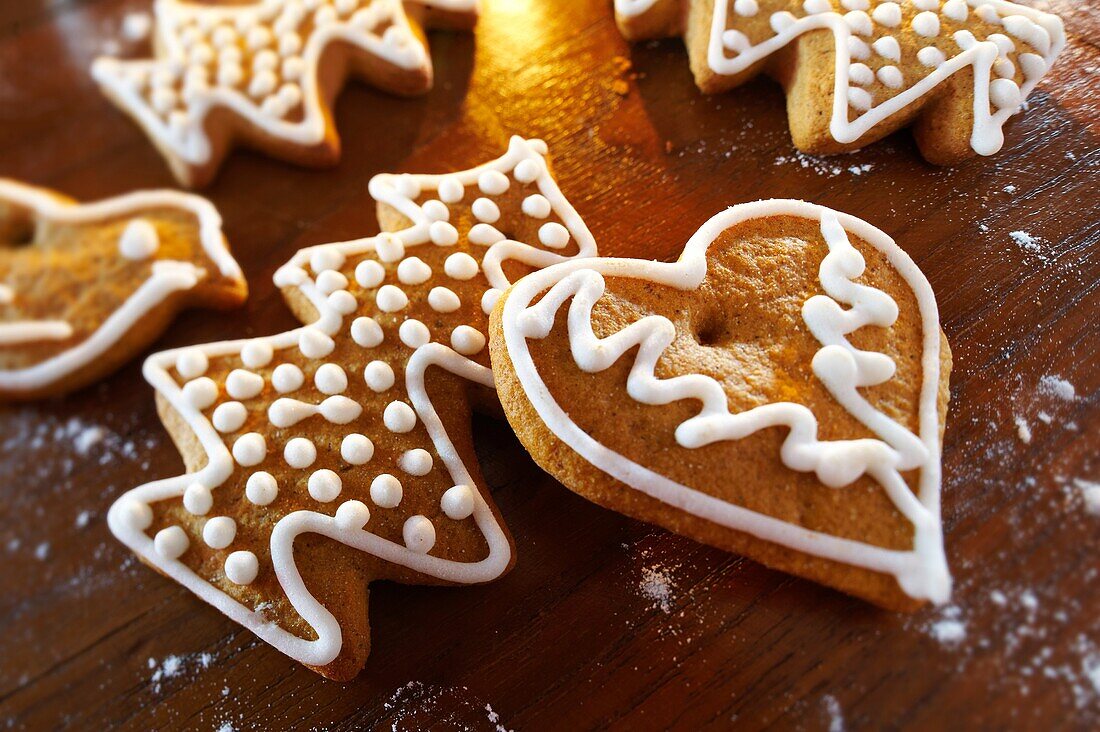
(341, 452)
(84, 287)
(779, 391)
(858, 70)
(266, 73)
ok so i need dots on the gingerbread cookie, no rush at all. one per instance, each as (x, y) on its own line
(83, 287)
(858, 70)
(266, 73)
(779, 392)
(329, 456)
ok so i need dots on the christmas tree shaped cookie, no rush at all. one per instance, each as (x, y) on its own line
(858, 70)
(266, 73)
(779, 391)
(83, 287)
(341, 452)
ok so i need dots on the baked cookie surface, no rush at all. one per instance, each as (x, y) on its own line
(83, 287)
(341, 452)
(266, 73)
(857, 70)
(779, 391)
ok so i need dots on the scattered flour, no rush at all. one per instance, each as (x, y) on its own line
(83, 519)
(950, 630)
(42, 551)
(1028, 243)
(833, 712)
(656, 586)
(1090, 492)
(1023, 431)
(225, 727)
(821, 166)
(1058, 387)
(174, 666)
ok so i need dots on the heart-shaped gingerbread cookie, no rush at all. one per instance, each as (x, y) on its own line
(779, 391)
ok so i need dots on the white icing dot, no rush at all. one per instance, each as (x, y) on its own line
(261, 488)
(414, 333)
(888, 47)
(781, 21)
(926, 24)
(419, 534)
(458, 502)
(443, 300)
(461, 266)
(324, 485)
(343, 302)
(200, 393)
(171, 542)
(537, 206)
(1004, 43)
(250, 449)
(356, 449)
(859, 22)
(930, 56)
(385, 491)
(485, 210)
(229, 417)
(137, 514)
(257, 354)
(1004, 68)
(241, 384)
(399, 417)
(443, 234)
(378, 375)
(369, 274)
(891, 76)
(887, 14)
(492, 182)
(299, 453)
(241, 567)
(450, 190)
(1005, 94)
(352, 515)
(390, 299)
(855, 4)
(416, 462)
(484, 235)
(192, 363)
(735, 40)
(860, 74)
(340, 409)
(389, 247)
(467, 340)
(489, 300)
(330, 379)
(407, 186)
(554, 235)
(955, 10)
(1032, 64)
(858, 48)
(330, 281)
(926, 4)
(198, 499)
(366, 332)
(139, 240)
(988, 13)
(813, 7)
(746, 8)
(413, 271)
(287, 378)
(527, 170)
(325, 258)
(859, 99)
(219, 532)
(436, 210)
(315, 344)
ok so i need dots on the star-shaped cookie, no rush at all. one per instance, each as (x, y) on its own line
(266, 73)
(341, 452)
(858, 70)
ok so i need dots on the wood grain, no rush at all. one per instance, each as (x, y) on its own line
(570, 639)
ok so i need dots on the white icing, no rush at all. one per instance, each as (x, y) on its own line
(458, 502)
(166, 277)
(419, 534)
(171, 542)
(417, 461)
(443, 300)
(219, 532)
(257, 354)
(198, 499)
(369, 274)
(390, 299)
(352, 516)
(287, 378)
(386, 491)
(200, 393)
(241, 567)
(366, 332)
(443, 234)
(324, 486)
(493, 182)
(378, 375)
(261, 488)
(241, 384)
(413, 271)
(330, 379)
(250, 449)
(413, 333)
(461, 266)
(536, 206)
(299, 452)
(887, 47)
(229, 417)
(467, 341)
(139, 240)
(399, 417)
(922, 571)
(485, 210)
(313, 343)
(356, 449)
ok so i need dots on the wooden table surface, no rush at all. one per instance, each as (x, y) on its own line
(604, 622)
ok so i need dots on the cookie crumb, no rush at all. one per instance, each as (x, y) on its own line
(1058, 387)
(1090, 492)
(833, 712)
(136, 26)
(1023, 430)
(656, 586)
(949, 632)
